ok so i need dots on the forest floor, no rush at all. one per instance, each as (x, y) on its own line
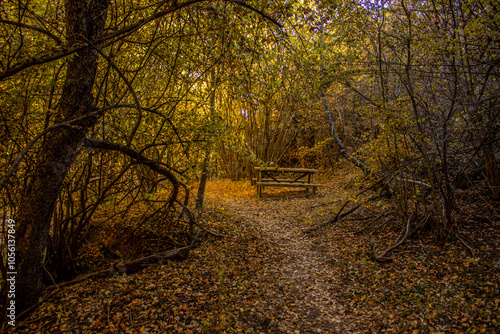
(268, 276)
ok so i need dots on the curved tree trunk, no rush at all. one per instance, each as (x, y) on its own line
(343, 151)
(83, 18)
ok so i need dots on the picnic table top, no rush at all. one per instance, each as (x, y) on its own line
(296, 170)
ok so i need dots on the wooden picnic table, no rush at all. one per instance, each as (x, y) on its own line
(285, 177)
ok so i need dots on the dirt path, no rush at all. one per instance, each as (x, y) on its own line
(267, 276)
(331, 285)
(305, 270)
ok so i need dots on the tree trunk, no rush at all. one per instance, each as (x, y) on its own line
(87, 19)
(206, 162)
(342, 150)
(203, 183)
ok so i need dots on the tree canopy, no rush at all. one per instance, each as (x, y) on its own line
(107, 103)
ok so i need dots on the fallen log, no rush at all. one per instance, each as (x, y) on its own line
(130, 267)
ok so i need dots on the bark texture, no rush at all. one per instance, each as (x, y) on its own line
(84, 20)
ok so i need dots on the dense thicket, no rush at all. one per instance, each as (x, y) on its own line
(221, 87)
(426, 76)
(132, 75)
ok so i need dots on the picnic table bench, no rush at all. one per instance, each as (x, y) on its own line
(285, 177)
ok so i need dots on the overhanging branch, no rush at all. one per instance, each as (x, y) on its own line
(261, 13)
(113, 37)
(140, 159)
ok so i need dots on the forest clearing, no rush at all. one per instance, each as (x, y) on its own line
(275, 166)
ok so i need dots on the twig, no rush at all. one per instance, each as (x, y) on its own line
(339, 216)
(52, 278)
(370, 224)
(472, 251)
(27, 26)
(399, 241)
(362, 218)
(322, 204)
(215, 234)
(261, 13)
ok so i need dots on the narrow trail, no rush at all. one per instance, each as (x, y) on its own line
(304, 269)
(268, 277)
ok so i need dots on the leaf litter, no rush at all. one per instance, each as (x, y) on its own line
(268, 276)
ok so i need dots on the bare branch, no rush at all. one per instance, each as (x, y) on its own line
(342, 149)
(37, 137)
(129, 86)
(471, 250)
(339, 216)
(22, 25)
(113, 37)
(399, 241)
(42, 60)
(106, 145)
(261, 13)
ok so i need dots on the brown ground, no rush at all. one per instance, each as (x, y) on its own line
(268, 276)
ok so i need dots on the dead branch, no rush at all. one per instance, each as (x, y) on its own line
(343, 151)
(322, 204)
(136, 265)
(420, 183)
(363, 218)
(215, 234)
(399, 241)
(194, 220)
(471, 250)
(129, 267)
(339, 216)
(361, 230)
(333, 220)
